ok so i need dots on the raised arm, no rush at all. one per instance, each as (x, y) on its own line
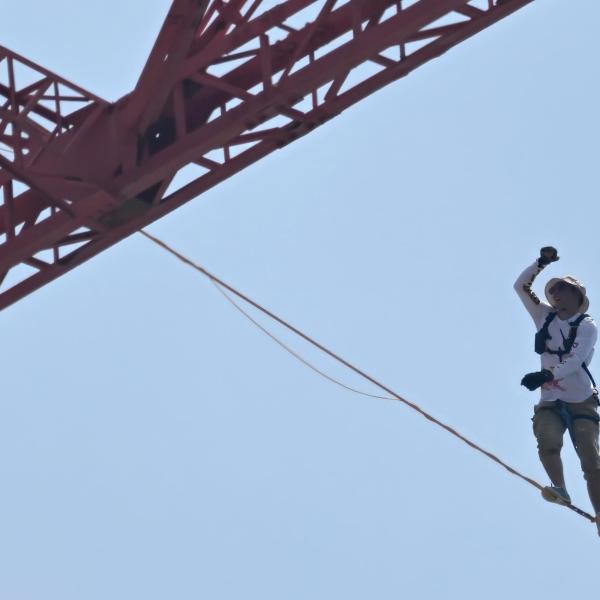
(535, 307)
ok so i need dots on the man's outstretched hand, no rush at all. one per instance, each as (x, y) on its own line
(548, 254)
(532, 381)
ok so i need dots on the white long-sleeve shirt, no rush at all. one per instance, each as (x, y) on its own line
(571, 383)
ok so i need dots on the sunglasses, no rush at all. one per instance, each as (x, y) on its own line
(561, 286)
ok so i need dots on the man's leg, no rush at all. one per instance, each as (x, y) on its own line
(586, 439)
(549, 429)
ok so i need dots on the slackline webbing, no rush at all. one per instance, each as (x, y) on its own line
(222, 286)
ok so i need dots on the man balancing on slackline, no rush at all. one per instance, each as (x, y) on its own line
(569, 400)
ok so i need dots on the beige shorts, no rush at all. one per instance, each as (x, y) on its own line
(549, 429)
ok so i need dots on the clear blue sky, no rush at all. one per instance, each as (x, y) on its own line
(154, 445)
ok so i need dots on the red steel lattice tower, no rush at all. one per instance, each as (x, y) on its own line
(227, 83)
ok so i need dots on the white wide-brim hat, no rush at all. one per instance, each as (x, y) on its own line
(570, 281)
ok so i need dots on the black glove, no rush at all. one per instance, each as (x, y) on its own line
(532, 381)
(548, 254)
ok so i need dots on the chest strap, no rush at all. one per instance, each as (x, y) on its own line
(543, 335)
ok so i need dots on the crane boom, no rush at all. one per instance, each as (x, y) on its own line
(226, 84)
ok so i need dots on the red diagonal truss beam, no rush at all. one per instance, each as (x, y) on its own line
(226, 84)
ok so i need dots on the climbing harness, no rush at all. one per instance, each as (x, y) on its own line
(559, 407)
(543, 335)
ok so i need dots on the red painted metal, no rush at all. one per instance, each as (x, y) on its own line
(226, 84)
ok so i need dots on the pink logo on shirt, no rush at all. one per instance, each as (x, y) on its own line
(553, 385)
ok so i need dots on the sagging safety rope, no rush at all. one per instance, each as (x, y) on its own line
(293, 352)
(224, 287)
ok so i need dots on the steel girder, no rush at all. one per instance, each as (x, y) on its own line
(226, 84)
